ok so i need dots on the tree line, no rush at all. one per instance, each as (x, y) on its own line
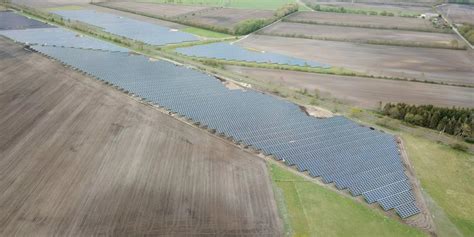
(454, 121)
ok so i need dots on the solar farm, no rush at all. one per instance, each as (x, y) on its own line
(165, 132)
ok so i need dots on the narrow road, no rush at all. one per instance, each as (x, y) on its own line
(453, 26)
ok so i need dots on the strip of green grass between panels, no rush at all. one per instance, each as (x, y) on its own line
(206, 33)
(317, 211)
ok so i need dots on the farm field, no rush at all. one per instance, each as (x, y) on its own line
(363, 92)
(313, 210)
(439, 65)
(226, 17)
(214, 18)
(82, 159)
(163, 10)
(364, 35)
(246, 4)
(397, 9)
(458, 13)
(358, 20)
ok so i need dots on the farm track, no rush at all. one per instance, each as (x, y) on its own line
(79, 158)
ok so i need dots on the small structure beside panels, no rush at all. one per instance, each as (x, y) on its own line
(340, 151)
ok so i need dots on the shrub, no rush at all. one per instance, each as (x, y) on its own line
(249, 26)
(459, 147)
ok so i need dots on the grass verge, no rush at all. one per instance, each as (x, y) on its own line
(447, 175)
(206, 33)
(317, 211)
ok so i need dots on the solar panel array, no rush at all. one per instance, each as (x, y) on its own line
(234, 52)
(354, 157)
(59, 37)
(138, 30)
(10, 20)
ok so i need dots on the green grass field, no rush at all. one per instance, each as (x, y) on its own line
(247, 4)
(312, 210)
(447, 176)
(206, 33)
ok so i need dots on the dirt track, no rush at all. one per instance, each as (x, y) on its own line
(440, 65)
(364, 92)
(78, 158)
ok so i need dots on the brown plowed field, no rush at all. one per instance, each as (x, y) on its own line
(164, 10)
(346, 19)
(363, 35)
(440, 65)
(364, 92)
(226, 17)
(78, 158)
(378, 6)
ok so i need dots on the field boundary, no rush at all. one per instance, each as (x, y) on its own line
(370, 41)
(309, 22)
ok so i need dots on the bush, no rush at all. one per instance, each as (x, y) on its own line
(459, 147)
(249, 26)
(467, 30)
(286, 10)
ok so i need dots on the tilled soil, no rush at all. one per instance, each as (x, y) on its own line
(78, 158)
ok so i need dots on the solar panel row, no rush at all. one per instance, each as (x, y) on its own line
(138, 30)
(365, 161)
(59, 37)
(11, 21)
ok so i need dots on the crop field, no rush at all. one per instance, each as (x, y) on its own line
(246, 4)
(458, 13)
(163, 10)
(397, 9)
(226, 17)
(82, 159)
(363, 92)
(364, 35)
(358, 20)
(439, 65)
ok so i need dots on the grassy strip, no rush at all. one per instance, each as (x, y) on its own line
(454, 44)
(205, 33)
(64, 8)
(355, 24)
(318, 211)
